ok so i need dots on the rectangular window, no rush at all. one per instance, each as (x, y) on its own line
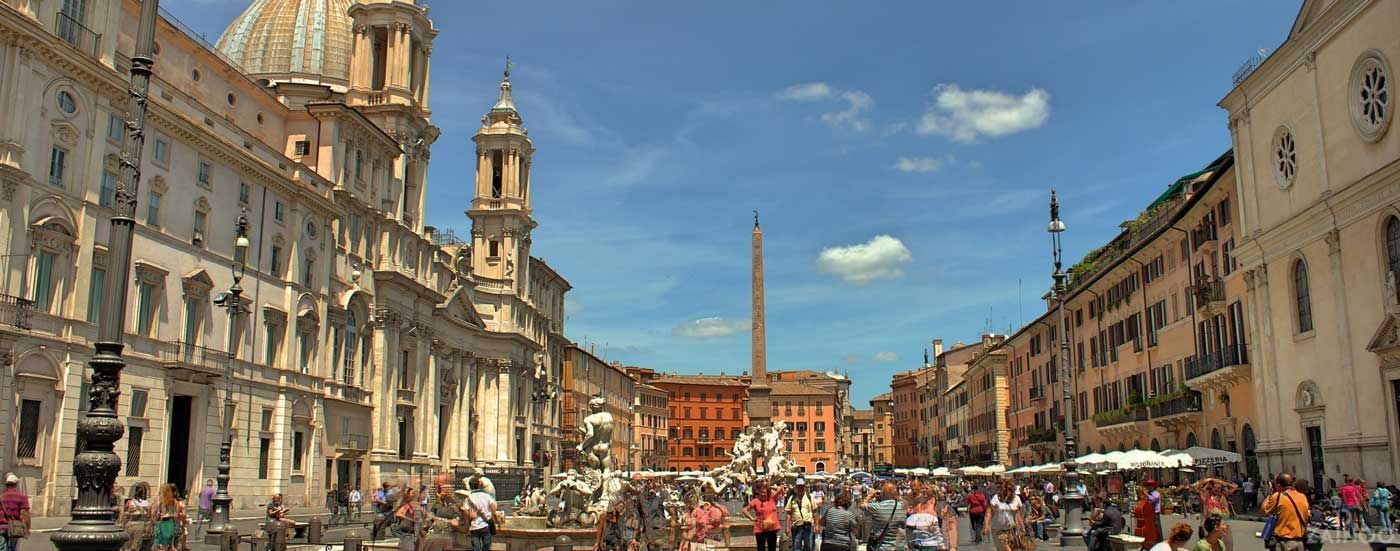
(202, 173)
(95, 293)
(27, 440)
(153, 210)
(276, 260)
(493, 249)
(44, 280)
(297, 438)
(58, 162)
(265, 424)
(134, 436)
(244, 190)
(279, 211)
(264, 455)
(302, 147)
(107, 194)
(1224, 212)
(161, 152)
(274, 345)
(306, 347)
(308, 273)
(139, 398)
(145, 308)
(116, 127)
(191, 321)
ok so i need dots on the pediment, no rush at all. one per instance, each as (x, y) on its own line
(459, 305)
(1387, 336)
(1311, 10)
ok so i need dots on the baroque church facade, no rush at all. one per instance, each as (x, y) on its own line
(371, 346)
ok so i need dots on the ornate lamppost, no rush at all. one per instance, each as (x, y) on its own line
(1072, 533)
(92, 526)
(233, 302)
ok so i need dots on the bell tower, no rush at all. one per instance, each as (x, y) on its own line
(500, 208)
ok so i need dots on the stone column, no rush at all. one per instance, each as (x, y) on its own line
(427, 71)
(1339, 298)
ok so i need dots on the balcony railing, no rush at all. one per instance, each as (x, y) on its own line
(1120, 417)
(1203, 364)
(15, 311)
(353, 442)
(183, 354)
(1037, 392)
(1203, 234)
(405, 395)
(1041, 436)
(1209, 290)
(1189, 402)
(73, 32)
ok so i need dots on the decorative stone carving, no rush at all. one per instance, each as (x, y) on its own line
(7, 190)
(1334, 242)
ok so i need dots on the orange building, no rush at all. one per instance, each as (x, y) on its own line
(883, 405)
(913, 393)
(813, 416)
(705, 413)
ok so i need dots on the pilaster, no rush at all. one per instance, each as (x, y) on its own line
(1345, 359)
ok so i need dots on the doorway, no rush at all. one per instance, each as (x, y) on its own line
(1319, 465)
(177, 466)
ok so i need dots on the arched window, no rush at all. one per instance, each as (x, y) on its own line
(1156, 446)
(1302, 296)
(1190, 439)
(352, 343)
(1215, 439)
(1251, 459)
(1392, 247)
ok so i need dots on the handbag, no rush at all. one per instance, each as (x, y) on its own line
(15, 528)
(490, 520)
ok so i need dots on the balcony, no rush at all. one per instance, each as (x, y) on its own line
(1122, 422)
(194, 361)
(1037, 393)
(1204, 236)
(73, 32)
(405, 397)
(1174, 411)
(1210, 294)
(1219, 369)
(353, 442)
(15, 311)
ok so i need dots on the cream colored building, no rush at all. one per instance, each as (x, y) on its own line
(373, 348)
(1319, 186)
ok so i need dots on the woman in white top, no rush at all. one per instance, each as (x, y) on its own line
(1004, 518)
(1176, 540)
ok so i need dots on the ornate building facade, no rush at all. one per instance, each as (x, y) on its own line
(372, 348)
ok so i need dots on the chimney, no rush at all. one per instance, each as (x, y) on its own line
(937, 347)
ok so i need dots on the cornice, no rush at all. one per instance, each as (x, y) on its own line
(1336, 210)
(1293, 53)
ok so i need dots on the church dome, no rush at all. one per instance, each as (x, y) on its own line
(292, 39)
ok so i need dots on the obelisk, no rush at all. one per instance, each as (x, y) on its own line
(760, 407)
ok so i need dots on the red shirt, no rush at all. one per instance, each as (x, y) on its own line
(976, 503)
(12, 505)
(765, 511)
(1351, 495)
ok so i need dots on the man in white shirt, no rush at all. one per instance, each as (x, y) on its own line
(481, 508)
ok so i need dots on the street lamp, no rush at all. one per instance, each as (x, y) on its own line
(92, 526)
(1072, 532)
(233, 302)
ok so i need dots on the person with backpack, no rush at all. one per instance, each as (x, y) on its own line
(977, 513)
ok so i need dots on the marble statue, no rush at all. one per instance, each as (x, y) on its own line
(753, 446)
(596, 449)
(535, 503)
(575, 491)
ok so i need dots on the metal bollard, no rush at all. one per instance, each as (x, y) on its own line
(353, 541)
(229, 540)
(563, 543)
(313, 531)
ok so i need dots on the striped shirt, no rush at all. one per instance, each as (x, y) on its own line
(13, 504)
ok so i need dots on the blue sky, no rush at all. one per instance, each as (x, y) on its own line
(901, 155)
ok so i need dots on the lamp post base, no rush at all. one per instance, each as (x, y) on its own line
(1072, 532)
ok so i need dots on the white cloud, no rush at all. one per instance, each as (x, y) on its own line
(704, 328)
(918, 164)
(886, 357)
(966, 115)
(880, 258)
(857, 103)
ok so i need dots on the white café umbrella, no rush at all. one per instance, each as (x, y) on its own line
(941, 471)
(1204, 457)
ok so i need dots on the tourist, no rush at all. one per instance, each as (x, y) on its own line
(1179, 537)
(1291, 508)
(1351, 501)
(1109, 521)
(135, 517)
(1148, 524)
(383, 501)
(800, 510)
(1040, 517)
(837, 525)
(277, 511)
(1004, 517)
(481, 505)
(1213, 531)
(927, 525)
(609, 534)
(1380, 501)
(1251, 494)
(763, 511)
(170, 516)
(705, 524)
(408, 515)
(204, 504)
(884, 516)
(355, 500)
(445, 523)
(977, 513)
(15, 522)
